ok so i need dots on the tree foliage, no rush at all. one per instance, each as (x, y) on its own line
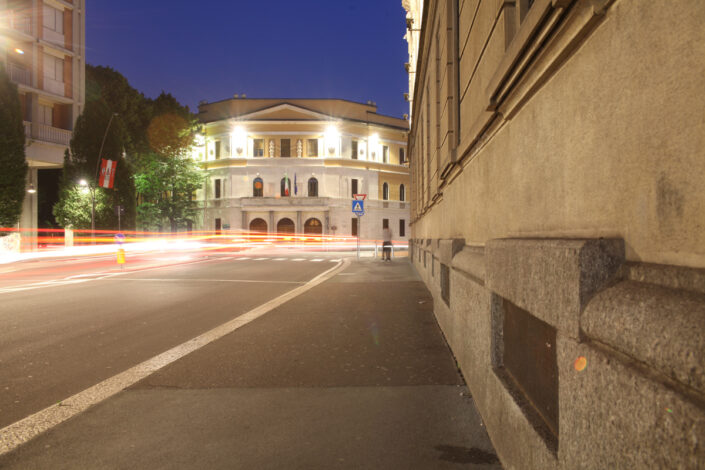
(13, 165)
(166, 175)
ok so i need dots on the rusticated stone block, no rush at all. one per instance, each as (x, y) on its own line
(553, 279)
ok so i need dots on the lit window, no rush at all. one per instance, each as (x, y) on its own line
(258, 147)
(258, 187)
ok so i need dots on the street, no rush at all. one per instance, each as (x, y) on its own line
(350, 370)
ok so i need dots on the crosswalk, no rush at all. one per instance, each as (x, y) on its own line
(280, 259)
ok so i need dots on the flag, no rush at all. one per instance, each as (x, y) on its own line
(296, 189)
(287, 185)
(107, 173)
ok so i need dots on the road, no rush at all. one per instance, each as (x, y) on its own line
(67, 324)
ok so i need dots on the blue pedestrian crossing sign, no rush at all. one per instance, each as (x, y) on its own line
(358, 207)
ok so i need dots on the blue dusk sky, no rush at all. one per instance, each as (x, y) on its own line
(211, 49)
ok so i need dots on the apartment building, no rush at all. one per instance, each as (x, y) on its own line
(558, 212)
(293, 166)
(42, 45)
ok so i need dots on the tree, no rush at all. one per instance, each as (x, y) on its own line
(108, 95)
(166, 176)
(82, 163)
(13, 166)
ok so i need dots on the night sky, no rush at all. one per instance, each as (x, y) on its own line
(210, 50)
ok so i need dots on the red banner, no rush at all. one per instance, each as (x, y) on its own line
(107, 173)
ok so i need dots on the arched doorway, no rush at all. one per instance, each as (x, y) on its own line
(258, 225)
(313, 226)
(286, 226)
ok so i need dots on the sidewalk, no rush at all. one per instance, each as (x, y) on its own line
(353, 373)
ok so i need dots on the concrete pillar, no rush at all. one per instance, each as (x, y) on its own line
(244, 224)
(299, 223)
(271, 228)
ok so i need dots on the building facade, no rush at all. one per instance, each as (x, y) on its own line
(558, 212)
(293, 166)
(43, 49)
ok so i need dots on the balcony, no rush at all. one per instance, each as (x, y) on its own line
(20, 22)
(52, 36)
(44, 133)
(54, 86)
(20, 74)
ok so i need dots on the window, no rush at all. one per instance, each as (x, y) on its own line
(385, 223)
(286, 147)
(312, 148)
(353, 232)
(402, 157)
(285, 187)
(217, 149)
(353, 150)
(402, 192)
(53, 19)
(217, 188)
(354, 186)
(312, 187)
(402, 228)
(53, 68)
(258, 187)
(46, 115)
(218, 226)
(385, 154)
(385, 192)
(258, 148)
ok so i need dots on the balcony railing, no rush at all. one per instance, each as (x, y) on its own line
(54, 86)
(44, 133)
(20, 74)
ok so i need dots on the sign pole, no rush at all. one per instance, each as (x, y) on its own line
(359, 229)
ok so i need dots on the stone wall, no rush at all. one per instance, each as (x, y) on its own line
(629, 349)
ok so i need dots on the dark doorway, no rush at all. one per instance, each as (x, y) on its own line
(258, 225)
(286, 226)
(313, 226)
(47, 196)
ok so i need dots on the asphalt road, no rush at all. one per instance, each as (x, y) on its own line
(67, 324)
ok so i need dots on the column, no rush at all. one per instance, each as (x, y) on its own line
(271, 228)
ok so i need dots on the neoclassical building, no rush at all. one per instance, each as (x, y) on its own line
(293, 166)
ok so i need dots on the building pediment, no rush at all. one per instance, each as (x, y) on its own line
(284, 112)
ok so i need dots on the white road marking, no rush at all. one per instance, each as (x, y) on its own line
(260, 259)
(205, 280)
(299, 259)
(242, 259)
(280, 259)
(30, 427)
(317, 260)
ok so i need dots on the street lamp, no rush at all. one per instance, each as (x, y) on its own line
(87, 188)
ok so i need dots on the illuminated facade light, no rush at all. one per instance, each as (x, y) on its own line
(374, 146)
(19, 51)
(239, 141)
(332, 140)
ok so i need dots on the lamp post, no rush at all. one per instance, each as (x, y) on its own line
(91, 189)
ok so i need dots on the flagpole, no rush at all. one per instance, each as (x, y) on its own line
(97, 173)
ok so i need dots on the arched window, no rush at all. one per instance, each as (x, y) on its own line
(385, 192)
(312, 187)
(285, 225)
(258, 187)
(402, 192)
(285, 187)
(313, 226)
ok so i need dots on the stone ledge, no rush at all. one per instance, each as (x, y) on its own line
(448, 248)
(471, 261)
(553, 279)
(662, 327)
